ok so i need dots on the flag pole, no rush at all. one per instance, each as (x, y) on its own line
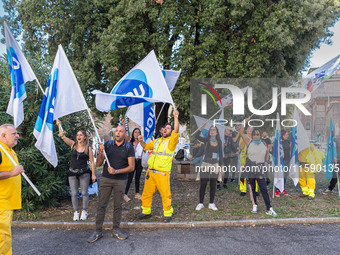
(40, 86)
(159, 114)
(23, 174)
(337, 175)
(96, 130)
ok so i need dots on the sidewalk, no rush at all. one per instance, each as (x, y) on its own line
(160, 225)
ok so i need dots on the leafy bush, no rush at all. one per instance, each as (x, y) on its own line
(49, 180)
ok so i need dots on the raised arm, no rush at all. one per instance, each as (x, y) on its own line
(93, 166)
(61, 134)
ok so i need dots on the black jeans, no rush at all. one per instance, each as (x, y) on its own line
(263, 188)
(232, 162)
(205, 178)
(105, 189)
(334, 181)
(138, 170)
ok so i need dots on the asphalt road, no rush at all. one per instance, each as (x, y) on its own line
(289, 239)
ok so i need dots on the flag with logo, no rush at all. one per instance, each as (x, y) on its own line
(21, 72)
(278, 157)
(331, 152)
(143, 83)
(143, 113)
(228, 99)
(313, 80)
(62, 96)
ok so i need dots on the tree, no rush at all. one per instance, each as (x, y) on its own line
(210, 38)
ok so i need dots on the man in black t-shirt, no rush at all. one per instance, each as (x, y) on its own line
(121, 156)
(267, 140)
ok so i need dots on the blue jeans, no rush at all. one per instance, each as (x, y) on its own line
(197, 161)
(84, 181)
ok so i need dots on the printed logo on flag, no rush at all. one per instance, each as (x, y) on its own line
(16, 74)
(134, 84)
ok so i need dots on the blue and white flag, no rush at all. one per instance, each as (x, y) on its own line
(200, 122)
(62, 96)
(171, 77)
(143, 114)
(21, 72)
(330, 152)
(143, 83)
(278, 158)
(228, 99)
(294, 159)
(313, 80)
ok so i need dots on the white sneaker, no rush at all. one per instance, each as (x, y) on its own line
(272, 212)
(199, 207)
(254, 209)
(76, 216)
(126, 198)
(212, 207)
(83, 215)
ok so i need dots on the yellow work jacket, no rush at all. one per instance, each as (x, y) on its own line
(163, 152)
(10, 188)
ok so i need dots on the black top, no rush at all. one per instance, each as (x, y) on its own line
(198, 152)
(267, 141)
(286, 150)
(118, 158)
(229, 147)
(212, 154)
(79, 161)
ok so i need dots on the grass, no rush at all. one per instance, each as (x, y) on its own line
(185, 198)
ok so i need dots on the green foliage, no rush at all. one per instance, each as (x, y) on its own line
(48, 180)
(210, 38)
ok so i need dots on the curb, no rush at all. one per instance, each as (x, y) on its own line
(171, 225)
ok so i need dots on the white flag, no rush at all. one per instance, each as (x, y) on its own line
(62, 96)
(171, 77)
(302, 137)
(21, 72)
(313, 80)
(278, 157)
(143, 83)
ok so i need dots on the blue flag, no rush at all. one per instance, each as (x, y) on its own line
(330, 152)
(21, 72)
(294, 160)
(278, 158)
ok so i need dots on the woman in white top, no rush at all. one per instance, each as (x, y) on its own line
(257, 158)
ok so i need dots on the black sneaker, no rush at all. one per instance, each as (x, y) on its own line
(218, 187)
(167, 219)
(232, 180)
(242, 194)
(225, 186)
(94, 237)
(119, 234)
(143, 216)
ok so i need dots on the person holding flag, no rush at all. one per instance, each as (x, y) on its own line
(10, 185)
(257, 158)
(79, 173)
(310, 160)
(158, 174)
(332, 154)
(138, 166)
(286, 161)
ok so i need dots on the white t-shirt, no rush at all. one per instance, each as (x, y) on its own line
(257, 152)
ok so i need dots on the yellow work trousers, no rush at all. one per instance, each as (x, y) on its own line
(243, 186)
(307, 181)
(154, 182)
(5, 232)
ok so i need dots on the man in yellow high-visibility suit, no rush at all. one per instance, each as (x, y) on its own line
(158, 174)
(10, 186)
